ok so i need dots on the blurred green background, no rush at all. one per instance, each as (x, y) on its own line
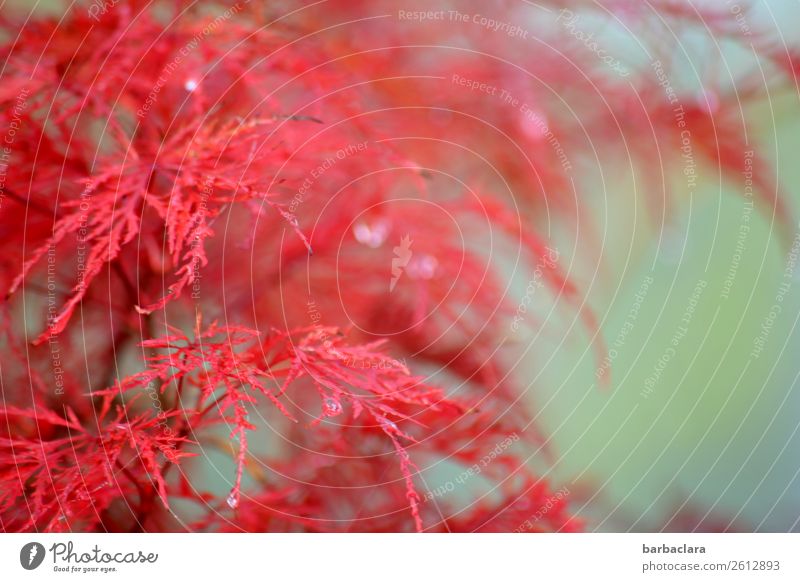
(714, 443)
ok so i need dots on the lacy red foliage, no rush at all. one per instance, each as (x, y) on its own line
(180, 162)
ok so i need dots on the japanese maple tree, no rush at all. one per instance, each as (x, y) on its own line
(247, 244)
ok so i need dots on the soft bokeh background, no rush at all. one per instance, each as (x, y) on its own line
(715, 444)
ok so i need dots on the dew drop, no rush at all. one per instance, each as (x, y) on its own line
(332, 407)
(232, 501)
(388, 424)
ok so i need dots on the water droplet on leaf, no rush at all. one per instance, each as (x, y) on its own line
(388, 424)
(332, 407)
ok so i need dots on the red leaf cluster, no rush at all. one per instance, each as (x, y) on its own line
(172, 163)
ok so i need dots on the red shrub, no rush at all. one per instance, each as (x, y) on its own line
(170, 161)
